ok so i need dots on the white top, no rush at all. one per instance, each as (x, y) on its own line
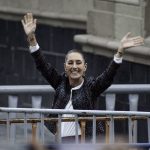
(68, 128)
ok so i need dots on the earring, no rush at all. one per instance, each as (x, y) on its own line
(65, 74)
(83, 74)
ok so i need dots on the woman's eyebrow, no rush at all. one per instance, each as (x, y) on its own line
(74, 60)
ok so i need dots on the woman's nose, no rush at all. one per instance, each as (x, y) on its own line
(74, 65)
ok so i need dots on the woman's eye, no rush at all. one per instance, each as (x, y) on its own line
(70, 63)
(79, 62)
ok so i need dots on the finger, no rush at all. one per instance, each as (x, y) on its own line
(28, 14)
(134, 38)
(35, 21)
(128, 34)
(23, 23)
(139, 43)
(138, 39)
(30, 17)
(141, 40)
(25, 19)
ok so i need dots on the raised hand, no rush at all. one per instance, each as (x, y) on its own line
(29, 24)
(128, 42)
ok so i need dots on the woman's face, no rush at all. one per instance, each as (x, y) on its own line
(75, 66)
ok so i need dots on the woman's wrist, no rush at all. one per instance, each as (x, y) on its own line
(32, 39)
(118, 54)
(120, 51)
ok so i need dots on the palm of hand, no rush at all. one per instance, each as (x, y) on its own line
(29, 24)
(29, 27)
(127, 43)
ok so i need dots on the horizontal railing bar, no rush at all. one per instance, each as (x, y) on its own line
(21, 89)
(80, 146)
(98, 146)
(3, 121)
(69, 119)
(31, 89)
(128, 88)
(79, 112)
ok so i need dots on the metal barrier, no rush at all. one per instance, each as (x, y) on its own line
(132, 90)
(96, 115)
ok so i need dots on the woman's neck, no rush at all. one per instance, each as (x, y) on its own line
(74, 83)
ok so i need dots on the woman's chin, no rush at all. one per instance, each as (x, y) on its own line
(75, 77)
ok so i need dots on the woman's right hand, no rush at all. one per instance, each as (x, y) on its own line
(29, 24)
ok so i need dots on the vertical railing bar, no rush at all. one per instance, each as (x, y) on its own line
(34, 133)
(59, 128)
(8, 127)
(36, 103)
(83, 124)
(94, 129)
(76, 129)
(12, 103)
(25, 126)
(110, 101)
(110, 105)
(107, 125)
(130, 129)
(135, 131)
(133, 103)
(111, 130)
(42, 128)
(148, 124)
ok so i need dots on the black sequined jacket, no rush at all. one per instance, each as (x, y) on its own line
(83, 98)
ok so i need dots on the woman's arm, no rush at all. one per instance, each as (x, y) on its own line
(50, 74)
(103, 81)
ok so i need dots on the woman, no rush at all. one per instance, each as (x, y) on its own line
(73, 89)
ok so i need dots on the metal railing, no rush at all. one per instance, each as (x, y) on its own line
(111, 116)
(38, 114)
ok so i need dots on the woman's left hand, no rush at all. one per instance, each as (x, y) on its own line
(128, 42)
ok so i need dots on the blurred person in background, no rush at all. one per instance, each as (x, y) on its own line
(73, 89)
